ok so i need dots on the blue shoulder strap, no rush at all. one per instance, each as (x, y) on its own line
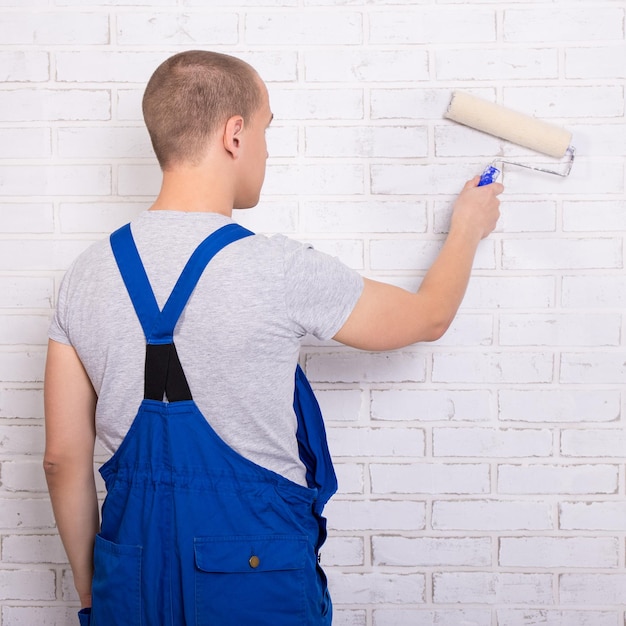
(158, 326)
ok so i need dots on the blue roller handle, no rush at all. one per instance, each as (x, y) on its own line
(489, 176)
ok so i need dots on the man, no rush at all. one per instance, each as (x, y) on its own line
(207, 526)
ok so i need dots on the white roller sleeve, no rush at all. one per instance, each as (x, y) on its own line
(515, 127)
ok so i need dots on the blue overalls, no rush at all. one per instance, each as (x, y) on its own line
(194, 534)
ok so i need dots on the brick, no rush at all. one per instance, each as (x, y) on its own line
(22, 584)
(559, 405)
(603, 140)
(457, 140)
(594, 291)
(282, 141)
(97, 217)
(244, 3)
(468, 330)
(274, 66)
(576, 24)
(21, 403)
(18, 105)
(415, 254)
(323, 179)
(385, 515)
(343, 551)
(269, 217)
(397, 551)
(377, 588)
(590, 216)
(128, 105)
(395, 442)
(523, 617)
(463, 25)
(121, 3)
(107, 142)
(596, 62)
(24, 329)
(26, 217)
(356, 367)
(593, 367)
(27, 66)
(106, 66)
(607, 175)
(40, 615)
(430, 405)
(435, 478)
(519, 292)
(592, 516)
(341, 405)
(592, 443)
(511, 367)
(554, 552)
(430, 617)
(501, 64)
(26, 292)
(411, 103)
(303, 28)
(367, 217)
(23, 476)
(366, 141)
(33, 549)
(492, 588)
(366, 65)
(21, 439)
(595, 589)
(519, 217)
(436, 179)
(562, 253)
(317, 104)
(43, 180)
(350, 477)
(154, 29)
(344, 617)
(25, 513)
(558, 479)
(54, 28)
(486, 515)
(560, 330)
(40, 254)
(491, 442)
(565, 101)
(22, 367)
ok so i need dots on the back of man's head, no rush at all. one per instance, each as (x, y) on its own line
(190, 96)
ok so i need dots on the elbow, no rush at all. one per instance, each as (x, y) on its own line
(50, 467)
(438, 329)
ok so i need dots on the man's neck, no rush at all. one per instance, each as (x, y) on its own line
(194, 190)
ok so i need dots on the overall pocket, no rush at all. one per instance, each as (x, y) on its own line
(116, 587)
(257, 579)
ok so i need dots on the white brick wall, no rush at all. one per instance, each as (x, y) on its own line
(481, 477)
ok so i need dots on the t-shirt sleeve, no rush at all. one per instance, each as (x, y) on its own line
(58, 327)
(321, 291)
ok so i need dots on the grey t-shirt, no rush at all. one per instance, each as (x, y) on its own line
(238, 338)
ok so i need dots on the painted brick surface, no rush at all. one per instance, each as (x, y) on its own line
(481, 476)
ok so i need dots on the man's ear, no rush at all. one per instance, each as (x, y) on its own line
(232, 135)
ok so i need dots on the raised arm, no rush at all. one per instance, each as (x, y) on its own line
(388, 317)
(68, 461)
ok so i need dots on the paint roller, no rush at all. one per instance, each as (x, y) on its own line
(515, 127)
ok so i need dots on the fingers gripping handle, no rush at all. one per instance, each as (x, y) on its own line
(490, 175)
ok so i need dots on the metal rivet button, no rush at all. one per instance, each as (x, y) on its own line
(254, 562)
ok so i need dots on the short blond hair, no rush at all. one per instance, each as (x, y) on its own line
(189, 96)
